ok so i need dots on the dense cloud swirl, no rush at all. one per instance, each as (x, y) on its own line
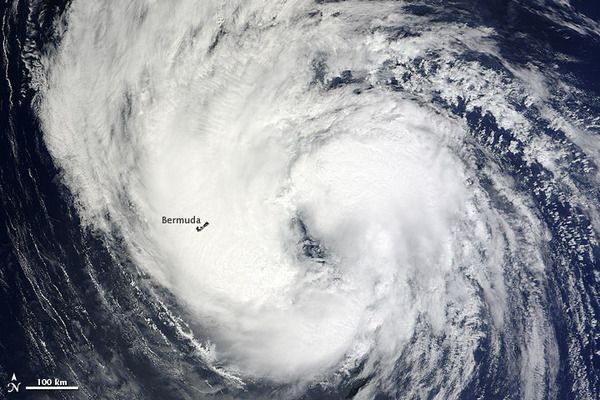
(356, 163)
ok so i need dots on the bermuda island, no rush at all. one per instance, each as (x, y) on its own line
(192, 220)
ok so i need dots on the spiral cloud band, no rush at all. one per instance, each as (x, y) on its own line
(358, 225)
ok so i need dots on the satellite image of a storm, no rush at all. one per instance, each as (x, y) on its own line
(300, 199)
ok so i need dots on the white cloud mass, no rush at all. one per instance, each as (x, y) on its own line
(222, 110)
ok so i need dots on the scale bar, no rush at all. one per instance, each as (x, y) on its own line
(51, 387)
